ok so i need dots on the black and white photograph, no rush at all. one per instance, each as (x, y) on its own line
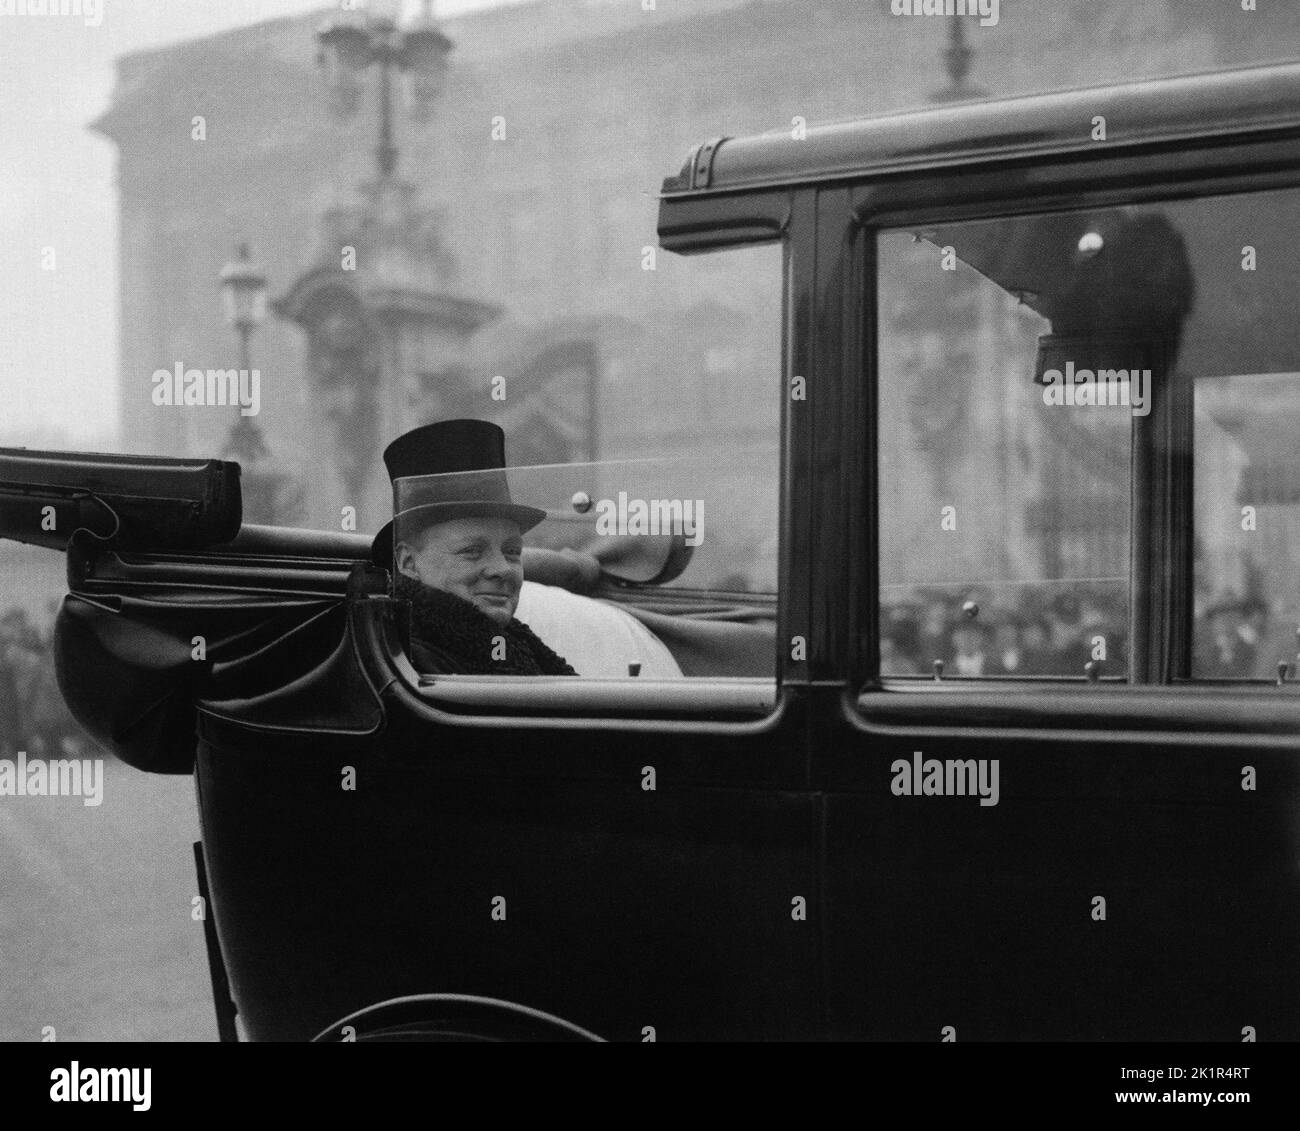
(651, 521)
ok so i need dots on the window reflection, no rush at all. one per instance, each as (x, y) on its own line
(979, 323)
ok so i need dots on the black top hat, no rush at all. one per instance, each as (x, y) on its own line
(443, 449)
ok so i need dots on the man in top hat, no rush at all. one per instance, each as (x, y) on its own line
(455, 552)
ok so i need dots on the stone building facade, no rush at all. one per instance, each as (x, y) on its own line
(543, 231)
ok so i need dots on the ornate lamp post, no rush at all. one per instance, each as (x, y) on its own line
(382, 310)
(352, 42)
(243, 292)
(957, 60)
(269, 496)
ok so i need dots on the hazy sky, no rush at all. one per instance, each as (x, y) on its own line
(58, 328)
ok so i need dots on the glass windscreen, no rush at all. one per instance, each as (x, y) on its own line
(703, 523)
(657, 569)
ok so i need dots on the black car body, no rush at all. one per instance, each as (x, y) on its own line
(788, 875)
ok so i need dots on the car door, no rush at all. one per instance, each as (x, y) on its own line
(1061, 788)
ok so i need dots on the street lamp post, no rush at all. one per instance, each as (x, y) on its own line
(268, 495)
(352, 42)
(957, 57)
(379, 322)
(243, 291)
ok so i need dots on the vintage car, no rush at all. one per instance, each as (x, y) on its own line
(992, 733)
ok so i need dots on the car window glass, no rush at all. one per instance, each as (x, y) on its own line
(1017, 358)
(1004, 535)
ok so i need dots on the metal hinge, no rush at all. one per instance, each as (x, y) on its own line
(702, 165)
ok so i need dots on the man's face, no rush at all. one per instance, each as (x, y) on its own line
(477, 559)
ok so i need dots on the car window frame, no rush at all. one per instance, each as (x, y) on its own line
(722, 705)
(1153, 174)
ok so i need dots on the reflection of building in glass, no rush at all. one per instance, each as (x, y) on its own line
(1199, 359)
(1248, 514)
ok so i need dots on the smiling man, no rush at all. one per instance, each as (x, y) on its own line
(455, 549)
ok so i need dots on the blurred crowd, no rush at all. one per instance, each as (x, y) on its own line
(33, 716)
(975, 634)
